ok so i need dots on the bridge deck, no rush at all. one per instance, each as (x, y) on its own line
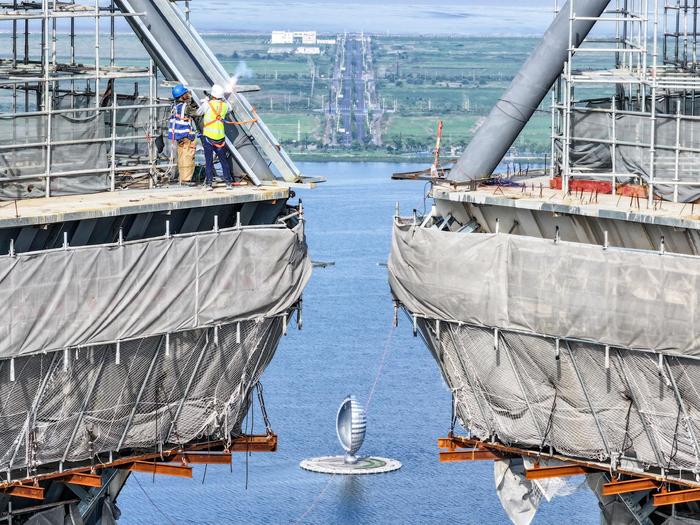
(28, 212)
(537, 195)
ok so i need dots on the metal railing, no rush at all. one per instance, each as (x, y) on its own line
(34, 78)
(643, 76)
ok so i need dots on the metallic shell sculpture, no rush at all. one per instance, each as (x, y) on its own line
(351, 425)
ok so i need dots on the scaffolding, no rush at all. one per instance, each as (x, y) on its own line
(74, 118)
(626, 106)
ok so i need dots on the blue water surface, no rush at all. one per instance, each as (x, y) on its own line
(347, 328)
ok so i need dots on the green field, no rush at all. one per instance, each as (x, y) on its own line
(420, 80)
(290, 127)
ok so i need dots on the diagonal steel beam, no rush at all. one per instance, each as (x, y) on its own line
(187, 389)
(140, 394)
(31, 416)
(637, 404)
(86, 402)
(588, 400)
(686, 416)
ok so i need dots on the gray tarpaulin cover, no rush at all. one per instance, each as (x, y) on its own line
(616, 405)
(568, 290)
(100, 294)
(81, 146)
(198, 317)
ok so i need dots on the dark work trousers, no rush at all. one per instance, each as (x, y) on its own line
(211, 147)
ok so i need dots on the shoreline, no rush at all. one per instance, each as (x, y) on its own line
(414, 159)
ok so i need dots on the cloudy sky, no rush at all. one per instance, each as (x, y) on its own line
(463, 17)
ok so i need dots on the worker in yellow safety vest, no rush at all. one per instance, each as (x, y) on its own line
(215, 110)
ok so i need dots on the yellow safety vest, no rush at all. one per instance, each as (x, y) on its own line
(214, 120)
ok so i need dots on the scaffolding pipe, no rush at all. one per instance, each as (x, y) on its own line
(526, 92)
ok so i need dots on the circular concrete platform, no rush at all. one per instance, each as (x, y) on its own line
(337, 465)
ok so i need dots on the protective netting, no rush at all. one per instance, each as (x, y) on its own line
(76, 405)
(514, 325)
(512, 387)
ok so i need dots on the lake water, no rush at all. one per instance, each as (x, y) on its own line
(450, 17)
(347, 327)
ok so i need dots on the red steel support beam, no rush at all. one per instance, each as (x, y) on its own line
(252, 443)
(629, 485)
(451, 443)
(84, 479)
(202, 458)
(164, 469)
(574, 467)
(555, 472)
(676, 496)
(262, 443)
(467, 455)
(26, 491)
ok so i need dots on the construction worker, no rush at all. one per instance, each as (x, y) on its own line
(182, 131)
(215, 110)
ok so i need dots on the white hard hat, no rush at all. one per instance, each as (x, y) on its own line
(217, 91)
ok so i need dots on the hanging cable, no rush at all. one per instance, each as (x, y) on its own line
(550, 421)
(453, 414)
(385, 353)
(263, 409)
(167, 518)
(316, 500)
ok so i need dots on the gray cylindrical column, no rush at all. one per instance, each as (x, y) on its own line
(529, 87)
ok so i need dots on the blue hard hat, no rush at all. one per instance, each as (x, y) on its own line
(179, 90)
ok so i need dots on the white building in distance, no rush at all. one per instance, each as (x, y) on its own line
(293, 37)
(313, 50)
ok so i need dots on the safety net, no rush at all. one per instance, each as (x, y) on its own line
(618, 297)
(81, 404)
(551, 381)
(134, 345)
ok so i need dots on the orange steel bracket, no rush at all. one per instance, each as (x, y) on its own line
(165, 469)
(259, 443)
(202, 458)
(630, 485)
(449, 443)
(555, 472)
(84, 479)
(26, 491)
(472, 452)
(467, 455)
(454, 442)
(677, 496)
